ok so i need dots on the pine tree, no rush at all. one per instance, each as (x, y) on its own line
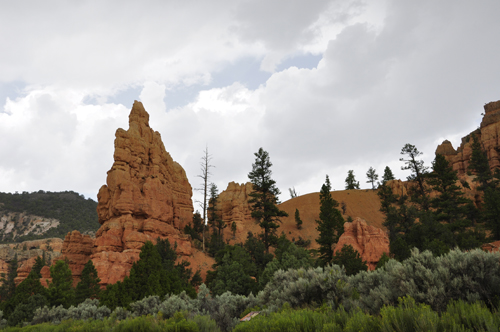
(39, 264)
(298, 221)
(450, 203)
(264, 198)
(372, 176)
(388, 175)
(61, 290)
(88, 287)
(330, 223)
(418, 193)
(8, 285)
(479, 164)
(350, 181)
(350, 260)
(215, 222)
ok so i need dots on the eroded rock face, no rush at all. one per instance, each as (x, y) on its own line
(147, 195)
(488, 135)
(371, 242)
(26, 253)
(233, 206)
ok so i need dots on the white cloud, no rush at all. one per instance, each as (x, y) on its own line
(391, 73)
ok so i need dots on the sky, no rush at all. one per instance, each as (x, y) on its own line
(323, 86)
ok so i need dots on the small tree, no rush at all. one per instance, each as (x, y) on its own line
(264, 198)
(372, 176)
(61, 290)
(330, 223)
(388, 175)
(350, 260)
(350, 181)
(292, 192)
(215, 221)
(234, 229)
(479, 164)
(298, 221)
(419, 172)
(88, 287)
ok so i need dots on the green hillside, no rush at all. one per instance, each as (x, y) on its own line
(73, 211)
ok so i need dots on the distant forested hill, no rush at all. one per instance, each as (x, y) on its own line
(29, 216)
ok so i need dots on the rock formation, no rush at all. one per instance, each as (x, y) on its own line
(371, 242)
(488, 135)
(26, 253)
(147, 195)
(233, 206)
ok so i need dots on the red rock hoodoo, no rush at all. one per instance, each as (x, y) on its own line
(371, 242)
(147, 196)
(488, 135)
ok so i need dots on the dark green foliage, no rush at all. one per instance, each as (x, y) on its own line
(234, 270)
(155, 273)
(330, 223)
(449, 203)
(61, 290)
(288, 256)
(350, 181)
(479, 164)
(298, 221)
(382, 261)
(88, 287)
(350, 260)
(264, 198)
(39, 264)
(215, 222)
(372, 176)
(419, 193)
(257, 251)
(72, 210)
(195, 229)
(491, 211)
(388, 175)
(8, 286)
(27, 288)
(24, 312)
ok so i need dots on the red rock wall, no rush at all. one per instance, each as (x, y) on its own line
(371, 242)
(489, 136)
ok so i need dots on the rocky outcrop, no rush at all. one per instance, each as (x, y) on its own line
(371, 242)
(488, 135)
(147, 196)
(15, 224)
(77, 249)
(26, 253)
(233, 206)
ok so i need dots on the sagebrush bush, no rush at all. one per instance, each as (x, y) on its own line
(305, 287)
(88, 309)
(147, 306)
(409, 316)
(120, 313)
(176, 303)
(469, 276)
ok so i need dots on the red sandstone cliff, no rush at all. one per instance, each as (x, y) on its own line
(488, 135)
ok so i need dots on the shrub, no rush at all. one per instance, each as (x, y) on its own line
(147, 306)
(305, 287)
(120, 314)
(176, 303)
(409, 316)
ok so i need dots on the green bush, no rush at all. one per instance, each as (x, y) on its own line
(409, 316)
(305, 287)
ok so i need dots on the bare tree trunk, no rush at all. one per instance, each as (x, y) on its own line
(205, 174)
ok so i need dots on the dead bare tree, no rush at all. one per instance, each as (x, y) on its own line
(205, 174)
